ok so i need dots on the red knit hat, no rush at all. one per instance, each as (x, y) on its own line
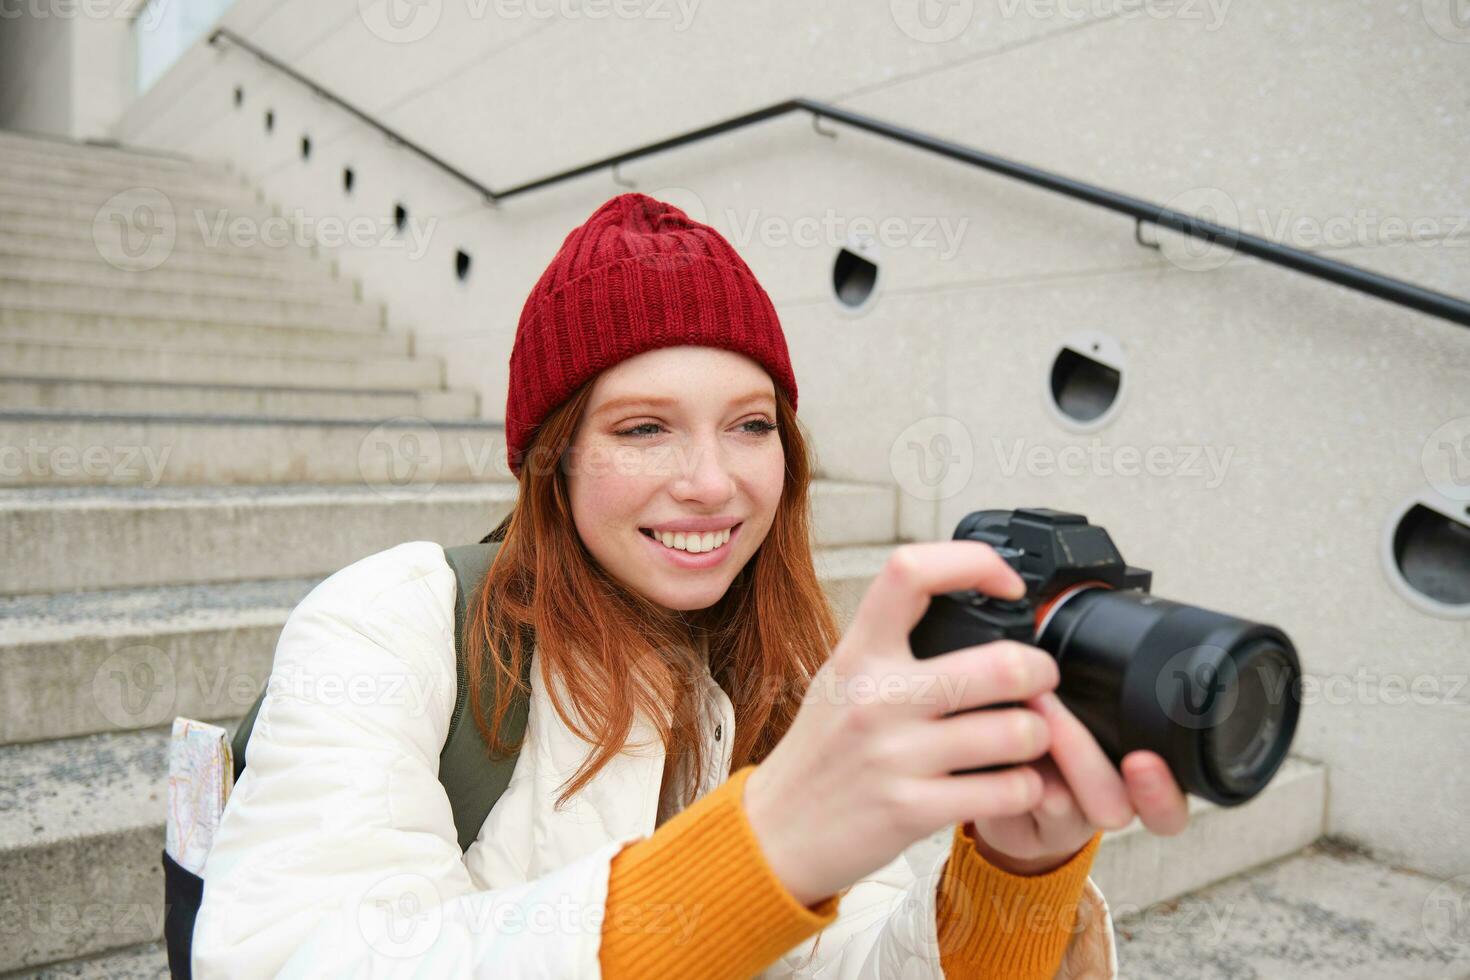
(637, 275)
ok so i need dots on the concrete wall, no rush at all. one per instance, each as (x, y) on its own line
(65, 66)
(35, 74)
(1286, 418)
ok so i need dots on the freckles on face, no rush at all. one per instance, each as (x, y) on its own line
(672, 436)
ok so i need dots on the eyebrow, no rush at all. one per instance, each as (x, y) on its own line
(659, 401)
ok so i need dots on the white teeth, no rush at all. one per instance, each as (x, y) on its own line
(695, 544)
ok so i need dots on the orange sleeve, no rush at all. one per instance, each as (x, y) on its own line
(993, 923)
(698, 898)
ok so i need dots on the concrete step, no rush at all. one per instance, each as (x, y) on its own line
(122, 362)
(180, 233)
(62, 539)
(142, 450)
(16, 246)
(82, 817)
(364, 317)
(89, 821)
(96, 191)
(137, 300)
(323, 287)
(200, 335)
(81, 831)
(1327, 913)
(126, 659)
(1136, 869)
(168, 397)
(60, 319)
(148, 961)
(55, 204)
(86, 265)
(115, 164)
(49, 149)
(72, 174)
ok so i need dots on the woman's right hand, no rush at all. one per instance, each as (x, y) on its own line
(865, 769)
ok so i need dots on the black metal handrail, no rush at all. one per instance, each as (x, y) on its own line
(1397, 291)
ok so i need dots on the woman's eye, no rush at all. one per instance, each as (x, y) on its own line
(752, 427)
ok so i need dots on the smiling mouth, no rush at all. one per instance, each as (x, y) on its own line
(692, 543)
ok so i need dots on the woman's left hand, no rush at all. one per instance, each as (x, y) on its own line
(1083, 793)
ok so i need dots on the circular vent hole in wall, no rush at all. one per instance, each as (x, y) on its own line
(348, 179)
(461, 266)
(1427, 554)
(239, 96)
(855, 274)
(400, 217)
(1085, 386)
(270, 120)
(306, 147)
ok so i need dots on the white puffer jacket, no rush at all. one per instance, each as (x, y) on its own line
(337, 854)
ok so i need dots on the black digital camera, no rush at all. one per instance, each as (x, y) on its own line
(1216, 696)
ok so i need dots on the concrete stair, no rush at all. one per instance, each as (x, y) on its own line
(189, 449)
(173, 397)
(19, 270)
(62, 539)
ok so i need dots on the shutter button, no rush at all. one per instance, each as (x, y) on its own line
(717, 732)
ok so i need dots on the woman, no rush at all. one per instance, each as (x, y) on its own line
(713, 781)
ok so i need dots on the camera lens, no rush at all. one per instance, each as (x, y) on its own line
(1246, 741)
(1216, 696)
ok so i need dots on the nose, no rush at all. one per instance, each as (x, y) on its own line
(704, 474)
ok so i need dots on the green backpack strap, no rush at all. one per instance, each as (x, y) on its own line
(471, 779)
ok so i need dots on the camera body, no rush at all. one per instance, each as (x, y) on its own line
(1217, 696)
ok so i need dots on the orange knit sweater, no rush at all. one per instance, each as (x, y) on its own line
(697, 898)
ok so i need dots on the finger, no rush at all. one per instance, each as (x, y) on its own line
(1003, 736)
(1057, 804)
(989, 674)
(899, 595)
(980, 796)
(1156, 795)
(1096, 786)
